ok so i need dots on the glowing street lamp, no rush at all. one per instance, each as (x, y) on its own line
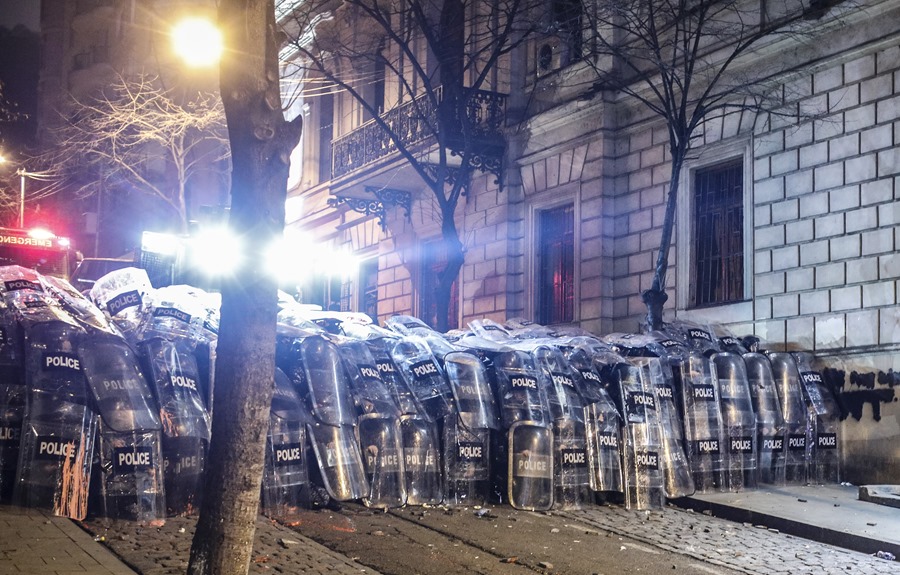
(197, 41)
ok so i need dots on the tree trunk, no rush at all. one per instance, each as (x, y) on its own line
(453, 250)
(261, 142)
(656, 297)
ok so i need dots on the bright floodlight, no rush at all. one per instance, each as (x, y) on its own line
(197, 41)
(217, 251)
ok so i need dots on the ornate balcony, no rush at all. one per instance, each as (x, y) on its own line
(416, 122)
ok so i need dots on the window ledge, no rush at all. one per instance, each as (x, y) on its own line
(740, 312)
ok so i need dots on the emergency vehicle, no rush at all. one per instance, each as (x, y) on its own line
(38, 249)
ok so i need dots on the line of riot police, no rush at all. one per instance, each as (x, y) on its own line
(401, 415)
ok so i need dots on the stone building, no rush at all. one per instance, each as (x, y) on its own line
(571, 237)
(87, 45)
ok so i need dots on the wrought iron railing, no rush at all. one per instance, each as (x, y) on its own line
(416, 122)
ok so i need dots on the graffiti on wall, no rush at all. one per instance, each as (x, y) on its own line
(873, 388)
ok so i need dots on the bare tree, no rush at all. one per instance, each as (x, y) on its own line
(439, 61)
(138, 135)
(690, 62)
(261, 143)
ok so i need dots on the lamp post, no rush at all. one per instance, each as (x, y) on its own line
(22, 173)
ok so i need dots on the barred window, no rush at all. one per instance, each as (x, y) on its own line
(556, 265)
(718, 242)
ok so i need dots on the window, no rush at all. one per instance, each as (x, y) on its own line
(718, 242)
(434, 261)
(368, 279)
(326, 130)
(556, 265)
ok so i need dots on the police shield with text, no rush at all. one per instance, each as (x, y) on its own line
(603, 422)
(286, 476)
(738, 421)
(171, 367)
(315, 367)
(525, 415)
(797, 447)
(769, 420)
(419, 436)
(824, 422)
(57, 442)
(571, 473)
(703, 434)
(131, 475)
(12, 399)
(379, 428)
(642, 469)
(467, 433)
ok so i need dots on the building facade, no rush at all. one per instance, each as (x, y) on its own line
(786, 227)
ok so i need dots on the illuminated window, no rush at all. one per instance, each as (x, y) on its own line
(556, 265)
(368, 279)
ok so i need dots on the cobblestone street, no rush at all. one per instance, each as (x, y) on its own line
(604, 540)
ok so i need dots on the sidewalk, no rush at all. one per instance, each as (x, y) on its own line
(831, 514)
(33, 542)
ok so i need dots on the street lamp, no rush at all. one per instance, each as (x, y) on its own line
(21, 173)
(197, 41)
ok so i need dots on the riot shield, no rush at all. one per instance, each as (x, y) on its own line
(379, 428)
(174, 376)
(130, 460)
(572, 478)
(60, 423)
(380, 440)
(798, 449)
(703, 433)
(12, 413)
(675, 466)
(467, 454)
(286, 476)
(530, 466)
(642, 470)
(390, 374)
(520, 395)
(423, 376)
(527, 478)
(602, 421)
(738, 422)
(121, 294)
(421, 460)
(769, 421)
(334, 444)
(824, 422)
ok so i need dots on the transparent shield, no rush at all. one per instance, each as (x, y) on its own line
(521, 395)
(286, 476)
(57, 452)
(571, 478)
(329, 392)
(131, 475)
(530, 466)
(423, 375)
(467, 463)
(695, 376)
(739, 421)
(798, 450)
(382, 451)
(340, 463)
(675, 466)
(471, 389)
(421, 459)
(370, 392)
(119, 387)
(769, 421)
(604, 440)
